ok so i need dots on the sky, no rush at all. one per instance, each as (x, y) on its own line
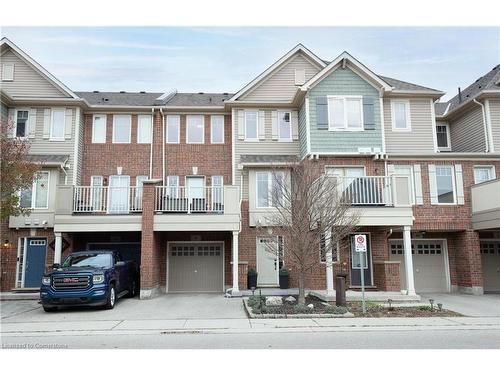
(222, 59)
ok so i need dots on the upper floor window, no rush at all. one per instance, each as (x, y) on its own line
(326, 245)
(346, 171)
(7, 72)
(36, 196)
(173, 128)
(400, 111)
(345, 113)
(445, 184)
(144, 128)
(269, 188)
(284, 126)
(58, 123)
(22, 123)
(195, 129)
(217, 129)
(483, 173)
(443, 137)
(251, 125)
(99, 129)
(122, 127)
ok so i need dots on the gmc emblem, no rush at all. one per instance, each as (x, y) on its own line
(70, 279)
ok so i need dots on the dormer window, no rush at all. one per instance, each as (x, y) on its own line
(443, 137)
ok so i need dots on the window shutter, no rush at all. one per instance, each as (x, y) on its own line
(68, 124)
(32, 123)
(262, 125)
(241, 124)
(369, 113)
(46, 123)
(459, 182)
(274, 125)
(417, 179)
(295, 125)
(11, 118)
(432, 184)
(322, 112)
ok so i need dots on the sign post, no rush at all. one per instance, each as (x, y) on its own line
(360, 248)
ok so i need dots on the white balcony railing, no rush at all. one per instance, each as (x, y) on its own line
(189, 199)
(367, 190)
(106, 199)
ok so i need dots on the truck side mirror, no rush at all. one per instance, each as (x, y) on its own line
(56, 265)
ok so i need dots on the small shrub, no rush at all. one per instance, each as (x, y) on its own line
(252, 272)
(260, 310)
(335, 309)
(301, 309)
(425, 308)
(254, 301)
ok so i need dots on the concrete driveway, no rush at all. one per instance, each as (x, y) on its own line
(466, 304)
(172, 306)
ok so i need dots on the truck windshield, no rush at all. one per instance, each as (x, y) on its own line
(88, 260)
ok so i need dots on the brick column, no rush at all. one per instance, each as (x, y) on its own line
(150, 252)
(468, 262)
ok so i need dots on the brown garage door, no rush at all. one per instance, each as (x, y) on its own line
(195, 267)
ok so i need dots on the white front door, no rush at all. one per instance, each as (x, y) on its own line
(196, 193)
(118, 202)
(267, 261)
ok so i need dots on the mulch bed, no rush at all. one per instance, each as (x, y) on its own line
(287, 307)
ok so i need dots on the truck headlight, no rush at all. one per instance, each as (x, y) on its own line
(46, 280)
(98, 279)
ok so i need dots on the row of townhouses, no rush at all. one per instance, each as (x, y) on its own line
(179, 182)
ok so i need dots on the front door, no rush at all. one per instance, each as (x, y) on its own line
(267, 263)
(119, 187)
(36, 251)
(356, 263)
(196, 193)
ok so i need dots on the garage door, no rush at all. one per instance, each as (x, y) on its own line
(428, 265)
(490, 255)
(195, 267)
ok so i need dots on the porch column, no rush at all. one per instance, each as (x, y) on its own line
(330, 291)
(236, 289)
(410, 283)
(58, 247)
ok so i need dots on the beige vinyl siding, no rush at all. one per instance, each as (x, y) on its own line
(467, 132)
(263, 147)
(280, 85)
(495, 123)
(420, 139)
(28, 82)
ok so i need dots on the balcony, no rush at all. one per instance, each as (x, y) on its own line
(184, 199)
(107, 200)
(485, 199)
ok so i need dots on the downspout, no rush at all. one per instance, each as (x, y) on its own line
(486, 140)
(152, 141)
(163, 146)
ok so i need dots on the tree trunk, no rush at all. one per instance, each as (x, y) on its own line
(302, 292)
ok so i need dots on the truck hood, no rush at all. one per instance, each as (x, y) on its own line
(75, 270)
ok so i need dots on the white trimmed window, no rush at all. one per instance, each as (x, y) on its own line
(22, 117)
(173, 128)
(325, 243)
(57, 124)
(483, 173)
(217, 129)
(173, 186)
(443, 137)
(345, 113)
(144, 128)
(37, 196)
(251, 125)
(445, 184)
(400, 115)
(99, 129)
(122, 128)
(97, 192)
(268, 188)
(407, 170)
(195, 129)
(284, 126)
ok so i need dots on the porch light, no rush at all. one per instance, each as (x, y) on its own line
(253, 290)
(440, 306)
(6, 244)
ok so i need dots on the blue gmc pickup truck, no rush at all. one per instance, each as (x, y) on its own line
(89, 278)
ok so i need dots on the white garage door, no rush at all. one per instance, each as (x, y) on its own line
(490, 255)
(195, 267)
(429, 266)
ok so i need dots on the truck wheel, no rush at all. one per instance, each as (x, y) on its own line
(110, 302)
(133, 289)
(49, 309)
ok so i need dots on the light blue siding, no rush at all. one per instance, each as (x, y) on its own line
(302, 130)
(4, 112)
(343, 82)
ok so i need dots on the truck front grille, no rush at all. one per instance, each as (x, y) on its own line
(70, 282)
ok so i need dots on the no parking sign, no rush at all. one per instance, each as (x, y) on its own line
(360, 243)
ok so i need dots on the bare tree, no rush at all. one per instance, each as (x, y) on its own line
(311, 212)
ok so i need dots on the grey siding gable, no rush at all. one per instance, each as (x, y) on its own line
(344, 82)
(495, 123)
(467, 132)
(280, 85)
(28, 82)
(421, 137)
